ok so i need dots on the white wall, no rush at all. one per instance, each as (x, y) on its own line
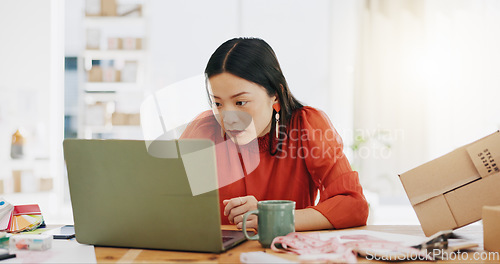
(298, 32)
(343, 59)
(31, 76)
(183, 35)
(462, 63)
(73, 28)
(24, 67)
(428, 76)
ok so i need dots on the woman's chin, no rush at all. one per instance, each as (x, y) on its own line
(242, 139)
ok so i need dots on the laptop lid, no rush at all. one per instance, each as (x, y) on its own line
(124, 197)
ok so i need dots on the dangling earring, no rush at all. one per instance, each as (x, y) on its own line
(277, 108)
(222, 133)
(277, 124)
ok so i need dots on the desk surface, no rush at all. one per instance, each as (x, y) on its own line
(111, 255)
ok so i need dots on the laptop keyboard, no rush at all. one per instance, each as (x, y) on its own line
(226, 238)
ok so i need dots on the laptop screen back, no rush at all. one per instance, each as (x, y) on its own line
(123, 196)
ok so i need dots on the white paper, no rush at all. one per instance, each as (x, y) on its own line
(62, 251)
(262, 257)
(5, 210)
(405, 240)
(326, 257)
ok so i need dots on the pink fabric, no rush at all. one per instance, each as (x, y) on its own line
(310, 243)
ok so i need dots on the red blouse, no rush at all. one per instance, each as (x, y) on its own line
(310, 158)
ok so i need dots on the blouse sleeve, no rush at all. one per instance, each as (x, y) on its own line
(203, 126)
(341, 196)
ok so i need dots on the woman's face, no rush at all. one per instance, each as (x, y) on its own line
(242, 108)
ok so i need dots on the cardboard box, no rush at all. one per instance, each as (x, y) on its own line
(119, 119)
(491, 228)
(114, 43)
(95, 74)
(124, 119)
(108, 7)
(450, 191)
(110, 75)
(134, 119)
(132, 43)
(45, 184)
(17, 176)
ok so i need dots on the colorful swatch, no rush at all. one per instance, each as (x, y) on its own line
(19, 218)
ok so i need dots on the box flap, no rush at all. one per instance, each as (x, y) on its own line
(491, 208)
(434, 215)
(485, 154)
(439, 176)
(466, 203)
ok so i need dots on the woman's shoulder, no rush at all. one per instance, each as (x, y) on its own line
(307, 116)
(202, 126)
(315, 124)
(205, 115)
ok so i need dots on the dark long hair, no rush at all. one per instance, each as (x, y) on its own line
(254, 60)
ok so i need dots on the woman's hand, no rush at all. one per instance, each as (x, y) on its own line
(235, 208)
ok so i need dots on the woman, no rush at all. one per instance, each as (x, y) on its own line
(269, 146)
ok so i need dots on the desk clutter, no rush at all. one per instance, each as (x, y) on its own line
(44, 245)
(15, 219)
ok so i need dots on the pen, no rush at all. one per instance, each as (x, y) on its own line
(7, 256)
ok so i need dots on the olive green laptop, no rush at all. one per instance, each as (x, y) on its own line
(123, 196)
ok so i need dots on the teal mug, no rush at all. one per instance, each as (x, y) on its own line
(275, 218)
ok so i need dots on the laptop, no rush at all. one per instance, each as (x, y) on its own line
(126, 196)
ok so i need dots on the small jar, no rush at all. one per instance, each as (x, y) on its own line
(17, 147)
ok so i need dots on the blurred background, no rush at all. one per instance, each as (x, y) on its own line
(403, 81)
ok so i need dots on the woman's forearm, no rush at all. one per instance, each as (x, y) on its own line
(310, 219)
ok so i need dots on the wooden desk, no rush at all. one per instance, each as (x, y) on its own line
(112, 255)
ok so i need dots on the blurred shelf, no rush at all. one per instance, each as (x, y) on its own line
(114, 54)
(92, 97)
(103, 87)
(111, 128)
(27, 163)
(106, 21)
(99, 101)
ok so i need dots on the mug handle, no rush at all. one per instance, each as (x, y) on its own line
(244, 227)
